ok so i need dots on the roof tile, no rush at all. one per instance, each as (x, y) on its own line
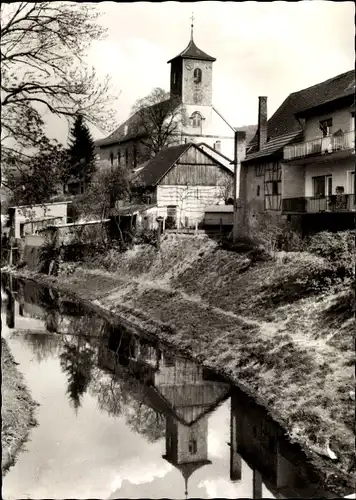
(192, 52)
(151, 174)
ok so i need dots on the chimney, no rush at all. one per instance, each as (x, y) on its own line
(241, 144)
(262, 122)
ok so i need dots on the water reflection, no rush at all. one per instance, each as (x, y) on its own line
(160, 395)
(173, 386)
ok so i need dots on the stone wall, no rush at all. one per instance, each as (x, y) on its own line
(200, 93)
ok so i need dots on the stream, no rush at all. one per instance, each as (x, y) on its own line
(123, 416)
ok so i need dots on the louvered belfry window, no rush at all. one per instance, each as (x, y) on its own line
(197, 75)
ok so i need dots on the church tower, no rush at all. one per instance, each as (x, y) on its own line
(187, 446)
(192, 75)
(192, 85)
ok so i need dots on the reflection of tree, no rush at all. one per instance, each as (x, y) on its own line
(88, 327)
(125, 396)
(146, 421)
(109, 393)
(77, 361)
(44, 346)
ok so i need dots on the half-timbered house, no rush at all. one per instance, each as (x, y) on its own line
(302, 159)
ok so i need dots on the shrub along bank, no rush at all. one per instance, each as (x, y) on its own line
(280, 326)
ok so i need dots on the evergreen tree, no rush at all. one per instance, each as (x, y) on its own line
(81, 152)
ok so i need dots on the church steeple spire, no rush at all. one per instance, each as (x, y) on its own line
(192, 27)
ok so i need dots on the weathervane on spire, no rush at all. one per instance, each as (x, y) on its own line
(192, 26)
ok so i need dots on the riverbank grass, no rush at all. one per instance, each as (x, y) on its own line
(281, 328)
(17, 410)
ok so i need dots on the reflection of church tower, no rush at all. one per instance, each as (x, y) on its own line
(191, 396)
(235, 458)
(10, 310)
(187, 446)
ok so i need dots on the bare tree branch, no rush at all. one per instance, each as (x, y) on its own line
(43, 45)
(159, 120)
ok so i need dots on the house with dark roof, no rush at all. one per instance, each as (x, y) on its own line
(301, 162)
(182, 180)
(191, 85)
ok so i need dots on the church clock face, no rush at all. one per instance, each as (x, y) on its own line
(189, 65)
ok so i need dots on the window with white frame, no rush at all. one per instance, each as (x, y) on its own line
(196, 119)
(322, 186)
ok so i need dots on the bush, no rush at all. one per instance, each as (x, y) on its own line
(148, 237)
(337, 248)
(332, 245)
(78, 252)
(273, 233)
(47, 254)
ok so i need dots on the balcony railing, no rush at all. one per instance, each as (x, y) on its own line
(323, 145)
(316, 204)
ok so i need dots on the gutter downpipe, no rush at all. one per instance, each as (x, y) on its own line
(236, 169)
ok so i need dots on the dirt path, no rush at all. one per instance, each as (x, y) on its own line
(267, 329)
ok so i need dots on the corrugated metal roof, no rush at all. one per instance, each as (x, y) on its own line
(43, 219)
(77, 224)
(45, 204)
(132, 209)
(219, 208)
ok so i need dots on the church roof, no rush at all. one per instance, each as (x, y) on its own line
(188, 468)
(192, 52)
(132, 128)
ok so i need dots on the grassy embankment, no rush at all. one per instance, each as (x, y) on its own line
(17, 411)
(279, 328)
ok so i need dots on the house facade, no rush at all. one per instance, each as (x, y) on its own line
(322, 166)
(182, 180)
(25, 219)
(191, 84)
(301, 162)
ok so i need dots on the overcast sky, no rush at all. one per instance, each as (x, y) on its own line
(269, 49)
